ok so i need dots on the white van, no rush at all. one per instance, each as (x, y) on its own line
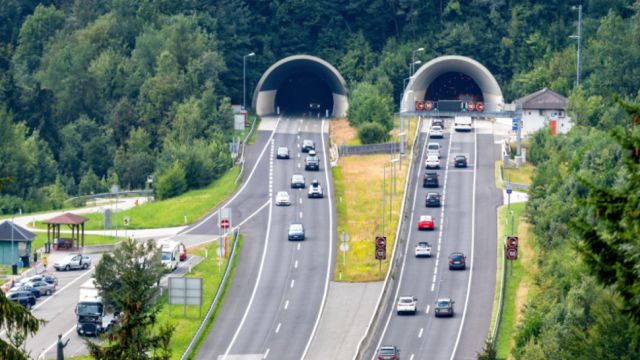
(169, 254)
(433, 149)
(462, 123)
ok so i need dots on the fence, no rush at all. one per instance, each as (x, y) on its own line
(384, 148)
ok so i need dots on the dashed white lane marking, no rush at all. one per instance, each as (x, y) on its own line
(298, 154)
(278, 328)
(298, 246)
(300, 214)
(412, 355)
(295, 266)
(293, 282)
(420, 333)
(298, 165)
(428, 308)
(433, 286)
(286, 304)
(266, 353)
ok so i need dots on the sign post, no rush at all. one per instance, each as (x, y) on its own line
(381, 250)
(511, 250)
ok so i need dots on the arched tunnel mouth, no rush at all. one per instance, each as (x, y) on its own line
(304, 93)
(454, 86)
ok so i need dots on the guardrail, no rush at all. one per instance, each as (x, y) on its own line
(384, 301)
(216, 298)
(110, 194)
(503, 284)
(243, 149)
(382, 148)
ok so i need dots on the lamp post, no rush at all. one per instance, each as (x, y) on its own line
(579, 38)
(412, 67)
(244, 79)
(413, 57)
(402, 146)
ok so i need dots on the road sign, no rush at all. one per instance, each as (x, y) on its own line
(509, 190)
(471, 106)
(126, 221)
(224, 223)
(381, 255)
(419, 105)
(515, 124)
(428, 105)
(479, 106)
(344, 246)
(512, 254)
(381, 247)
(512, 242)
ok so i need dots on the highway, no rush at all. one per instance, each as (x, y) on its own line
(279, 286)
(466, 222)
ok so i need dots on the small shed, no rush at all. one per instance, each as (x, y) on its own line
(15, 242)
(75, 224)
(541, 109)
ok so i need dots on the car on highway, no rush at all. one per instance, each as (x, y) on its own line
(430, 180)
(282, 198)
(460, 161)
(297, 181)
(457, 261)
(436, 132)
(462, 123)
(315, 190)
(432, 200)
(433, 149)
(423, 249)
(73, 261)
(312, 162)
(24, 298)
(43, 287)
(444, 307)
(407, 305)
(296, 232)
(432, 162)
(388, 353)
(283, 152)
(426, 222)
(308, 145)
(437, 122)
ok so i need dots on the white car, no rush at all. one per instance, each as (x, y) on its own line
(315, 190)
(423, 249)
(432, 162)
(436, 132)
(282, 199)
(433, 149)
(407, 304)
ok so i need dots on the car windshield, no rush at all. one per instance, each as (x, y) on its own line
(89, 309)
(297, 178)
(406, 301)
(283, 195)
(423, 244)
(295, 228)
(436, 128)
(433, 147)
(387, 351)
(166, 255)
(443, 304)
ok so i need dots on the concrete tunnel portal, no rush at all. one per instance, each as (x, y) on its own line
(299, 84)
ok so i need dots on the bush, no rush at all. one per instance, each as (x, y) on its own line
(171, 182)
(367, 103)
(372, 133)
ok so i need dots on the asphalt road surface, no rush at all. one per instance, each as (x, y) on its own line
(466, 223)
(274, 303)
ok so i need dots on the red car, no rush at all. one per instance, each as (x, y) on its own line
(426, 223)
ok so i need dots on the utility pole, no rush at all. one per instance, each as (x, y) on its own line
(579, 38)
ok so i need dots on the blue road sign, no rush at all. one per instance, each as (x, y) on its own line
(509, 190)
(515, 123)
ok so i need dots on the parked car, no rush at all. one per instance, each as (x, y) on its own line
(308, 145)
(44, 277)
(430, 180)
(43, 287)
(183, 252)
(423, 249)
(26, 288)
(436, 132)
(457, 261)
(433, 149)
(444, 307)
(297, 181)
(283, 152)
(73, 261)
(432, 200)
(296, 232)
(24, 298)
(315, 190)
(282, 198)
(407, 304)
(426, 223)
(460, 161)
(432, 162)
(388, 353)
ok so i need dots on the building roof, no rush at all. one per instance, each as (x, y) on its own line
(67, 219)
(18, 234)
(544, 99)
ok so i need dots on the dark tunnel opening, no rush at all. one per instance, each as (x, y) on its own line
(454, 86)
(302, 93)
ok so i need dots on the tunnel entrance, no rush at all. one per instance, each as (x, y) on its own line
(302, 93)
(454, 86)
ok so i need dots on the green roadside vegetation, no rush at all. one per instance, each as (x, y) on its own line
(191, 205)
(520, 175)
(358, 187)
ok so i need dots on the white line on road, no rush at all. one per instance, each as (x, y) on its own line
(298, 246)
(444, 200)
(300, 214)
(412, 355)
(295, 266)
(286, 304)
(300, 200)
(266, 353)
(293, 282)
(428, 308)
(278, 328)
(420, 333)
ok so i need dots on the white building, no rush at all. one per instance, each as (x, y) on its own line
(540, 108)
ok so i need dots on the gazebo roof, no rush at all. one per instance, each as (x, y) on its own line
(9, 231)
(67, 219)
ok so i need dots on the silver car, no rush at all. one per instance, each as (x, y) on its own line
(43, 287)
(282, 199)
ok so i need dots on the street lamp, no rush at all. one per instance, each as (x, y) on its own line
(413, 56)
(579, 38)
(412, 67)
(244, 79)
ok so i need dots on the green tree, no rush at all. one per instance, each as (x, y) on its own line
(127, 280)
(368, 104)
(371, 133)
(171, 182)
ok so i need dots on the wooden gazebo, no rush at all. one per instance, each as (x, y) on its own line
(74, 222)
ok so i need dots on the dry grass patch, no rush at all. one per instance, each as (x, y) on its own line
(358, 182)
(342, 133)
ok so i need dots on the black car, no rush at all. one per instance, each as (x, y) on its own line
(308, 145)
(24, 298)
(430, 180)
(444, 307)
(460, 161)
(432, 200)
(388, 353)
(457, 261)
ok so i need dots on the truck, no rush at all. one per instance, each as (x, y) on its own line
(169, 254)
(91, 313)
(462, 123)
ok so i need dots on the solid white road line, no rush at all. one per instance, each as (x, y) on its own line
(266, 353)
(255, 287)
(330, 242)
(406, 250)
(473, 238)
(428, 308)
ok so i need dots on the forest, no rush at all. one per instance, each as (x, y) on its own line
(95, 93)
